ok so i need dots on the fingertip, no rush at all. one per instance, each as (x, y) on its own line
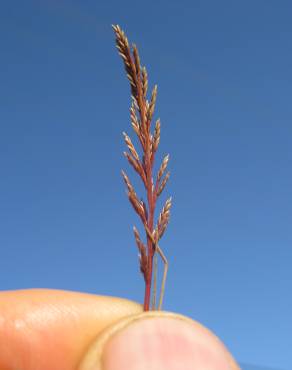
(157, 340)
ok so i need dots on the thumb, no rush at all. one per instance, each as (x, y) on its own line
(156, 341)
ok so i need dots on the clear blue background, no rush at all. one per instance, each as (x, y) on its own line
(224, 75)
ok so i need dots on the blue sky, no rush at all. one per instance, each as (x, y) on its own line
(224, 78)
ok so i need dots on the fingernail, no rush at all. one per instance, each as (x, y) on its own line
(159, 341)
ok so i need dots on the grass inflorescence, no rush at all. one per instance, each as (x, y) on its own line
(141, 115)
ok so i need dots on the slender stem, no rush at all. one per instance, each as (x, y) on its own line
(154, 289)
(164, 276)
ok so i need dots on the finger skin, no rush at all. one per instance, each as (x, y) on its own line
(44, 329)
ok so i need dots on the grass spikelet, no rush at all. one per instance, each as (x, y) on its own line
(144, 81)
(162, 167)
(156, 137)
(163, 218)
(142, 252)
(163, 183)
(127, 182)
(131, 146)
(151, 105)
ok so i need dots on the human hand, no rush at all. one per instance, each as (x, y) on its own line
(60, 330)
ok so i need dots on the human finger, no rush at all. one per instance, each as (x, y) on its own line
(157, 341)
(51, 329)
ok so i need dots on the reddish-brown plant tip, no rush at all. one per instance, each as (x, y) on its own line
(141, 115)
